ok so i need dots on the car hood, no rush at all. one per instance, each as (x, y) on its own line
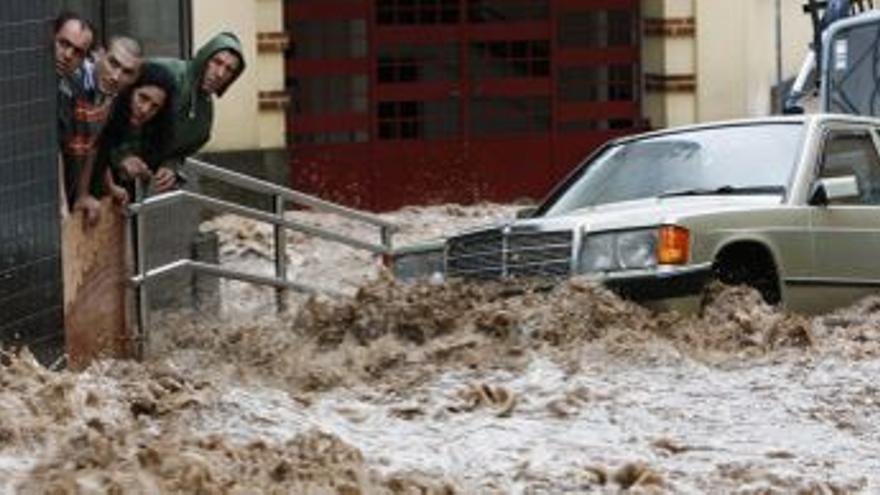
(645, 212)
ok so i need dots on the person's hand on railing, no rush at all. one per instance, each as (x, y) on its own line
(116, 192)
(91, 209)
(135, 168)
(164, 180)
(119, 195)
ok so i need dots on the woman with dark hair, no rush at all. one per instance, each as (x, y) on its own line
(134, 135)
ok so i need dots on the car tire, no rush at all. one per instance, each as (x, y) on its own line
(750, 265)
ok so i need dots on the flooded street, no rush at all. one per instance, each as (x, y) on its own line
(454, 388)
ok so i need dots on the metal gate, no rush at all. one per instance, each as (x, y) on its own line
(30, 266)
(422, 101)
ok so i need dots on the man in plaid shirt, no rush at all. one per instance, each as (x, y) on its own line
(74, 37)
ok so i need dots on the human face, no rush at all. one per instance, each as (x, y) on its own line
(219, 71)
(117, 70)
(146, 101)
(72, 44)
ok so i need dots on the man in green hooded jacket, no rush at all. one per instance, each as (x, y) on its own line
(217, 65)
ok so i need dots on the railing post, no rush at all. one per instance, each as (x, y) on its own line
(140, 256)
(280, 253)
(385, 234)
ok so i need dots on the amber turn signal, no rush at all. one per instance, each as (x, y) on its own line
(673, 247)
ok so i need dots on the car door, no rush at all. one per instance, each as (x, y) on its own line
(846, 233)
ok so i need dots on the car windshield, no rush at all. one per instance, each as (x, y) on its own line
(737, 159)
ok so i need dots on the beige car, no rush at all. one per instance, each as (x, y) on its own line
(788, 205)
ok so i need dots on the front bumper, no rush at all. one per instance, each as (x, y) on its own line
(662, 284)
(423, 261)
(680, 289)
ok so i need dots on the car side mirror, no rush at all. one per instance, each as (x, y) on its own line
(527, 212)
(832, 188)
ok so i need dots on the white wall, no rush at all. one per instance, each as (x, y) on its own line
(736, 54)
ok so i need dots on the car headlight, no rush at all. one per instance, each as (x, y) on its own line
(624, 250)
(637, 249)
(419, 264)
(597, 254)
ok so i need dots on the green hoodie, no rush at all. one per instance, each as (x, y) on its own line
(193, 109)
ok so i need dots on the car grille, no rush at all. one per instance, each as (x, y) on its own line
(494, 254)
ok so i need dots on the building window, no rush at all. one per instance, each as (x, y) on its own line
(155, 23)
(404, 120)
(485, 11)
(416, 12)
(597, 28)
(318, 95)
(596, 125)
(510, 115)
(335, 137)
(329, 39)
(418, 63)
(491, 59)
(598, 83)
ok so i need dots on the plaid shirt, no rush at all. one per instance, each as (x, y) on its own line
(82, 112)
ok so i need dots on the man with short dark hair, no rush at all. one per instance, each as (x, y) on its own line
(113, 70)
(73, 40)
(74, 37)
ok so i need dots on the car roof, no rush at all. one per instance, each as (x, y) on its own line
(778, 119)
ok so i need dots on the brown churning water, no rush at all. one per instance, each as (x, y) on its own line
(455, 388)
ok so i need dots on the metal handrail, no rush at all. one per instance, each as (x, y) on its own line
(281, 225)
(247, 182)
(156, 202)
(216, 270)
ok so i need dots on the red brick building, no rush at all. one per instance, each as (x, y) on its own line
(398, 102)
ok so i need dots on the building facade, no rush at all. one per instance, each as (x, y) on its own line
(401, 102)
(381, 103)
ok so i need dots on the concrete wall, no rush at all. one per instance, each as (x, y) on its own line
(271, 75)
(737, 56)
(668, 62)
(707, 60)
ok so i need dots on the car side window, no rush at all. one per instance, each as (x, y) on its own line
(853, 153)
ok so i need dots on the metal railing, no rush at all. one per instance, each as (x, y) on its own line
(281, 196)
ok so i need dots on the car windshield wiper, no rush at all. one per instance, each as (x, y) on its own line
(724, 190)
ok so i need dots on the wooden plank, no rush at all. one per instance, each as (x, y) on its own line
(97, 302)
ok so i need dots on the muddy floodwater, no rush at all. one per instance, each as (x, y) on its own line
(453, 389)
